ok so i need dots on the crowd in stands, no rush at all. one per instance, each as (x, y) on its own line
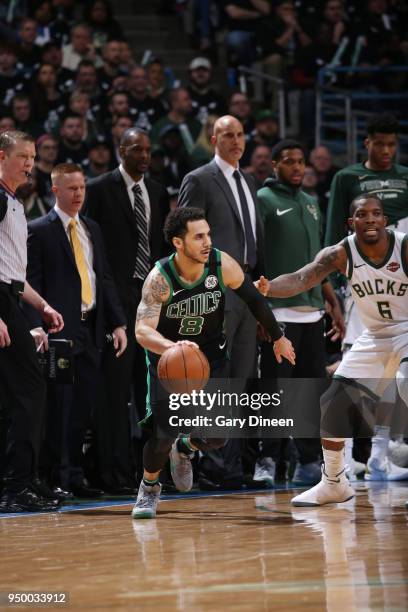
(69, 78)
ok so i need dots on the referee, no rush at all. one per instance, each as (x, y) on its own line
(22, 388)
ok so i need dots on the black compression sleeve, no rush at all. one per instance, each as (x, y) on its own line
(259, 308)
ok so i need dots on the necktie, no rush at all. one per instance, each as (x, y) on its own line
(86, 290)
(142, 266)
(249, 234)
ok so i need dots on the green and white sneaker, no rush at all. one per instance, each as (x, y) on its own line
(181, 468)
(146, 502)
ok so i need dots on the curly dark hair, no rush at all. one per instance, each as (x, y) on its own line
(382, 124)
(176, 222)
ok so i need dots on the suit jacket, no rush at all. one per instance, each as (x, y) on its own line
(52, 271)
(207, 188)
(108, 203)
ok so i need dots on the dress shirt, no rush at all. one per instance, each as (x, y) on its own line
(87, 247)
(228, 172)
(129, 186)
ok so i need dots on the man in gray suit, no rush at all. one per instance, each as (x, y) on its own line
(228, 198)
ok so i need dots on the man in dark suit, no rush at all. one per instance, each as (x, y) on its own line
(229, 200)
(130, 210)
(67, 262)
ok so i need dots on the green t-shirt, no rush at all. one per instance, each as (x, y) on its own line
(389, 185)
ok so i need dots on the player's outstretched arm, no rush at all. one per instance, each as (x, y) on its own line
(326, 261)
(235, 279)
(155, 293)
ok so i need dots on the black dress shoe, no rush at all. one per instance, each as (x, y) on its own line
(205, 484)
(61, 494)
(81, 488)
(26, 500)
(42, 488)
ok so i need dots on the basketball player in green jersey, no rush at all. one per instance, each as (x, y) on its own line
(183, 302)
(375, 261)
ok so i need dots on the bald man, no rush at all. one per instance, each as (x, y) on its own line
(228, 198)
(130, 210)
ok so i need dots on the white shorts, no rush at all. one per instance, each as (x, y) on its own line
(374, 361)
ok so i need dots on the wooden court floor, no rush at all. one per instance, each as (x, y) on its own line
(249, 552)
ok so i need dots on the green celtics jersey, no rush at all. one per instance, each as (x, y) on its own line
(389, 185)
(195, 312)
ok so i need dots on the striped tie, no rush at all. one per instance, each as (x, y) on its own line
(142, 266)
(86, 289)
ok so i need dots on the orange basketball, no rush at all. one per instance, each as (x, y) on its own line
(183, 369)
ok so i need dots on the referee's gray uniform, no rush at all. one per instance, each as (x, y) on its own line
(22, 388)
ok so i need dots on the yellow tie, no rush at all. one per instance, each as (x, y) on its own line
(86, 290)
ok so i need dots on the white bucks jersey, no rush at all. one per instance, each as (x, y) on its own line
(380, 291)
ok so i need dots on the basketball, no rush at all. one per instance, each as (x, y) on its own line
(183, 369)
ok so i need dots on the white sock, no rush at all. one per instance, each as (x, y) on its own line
(348, 450)
(333, 462)
(379, 443)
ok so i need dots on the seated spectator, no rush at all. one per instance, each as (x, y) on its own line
(179, 116)
(266, 133)
(86, 80)
(322, 162)
(157, 169)
(309, 183)
(21, 111)
(47, 100)
(284, 43)
(127, 61)
(242, 17)
(158, 86)
(261, 165)
(205, 100)
(203, 151)
(28, 195)
(48, 27)
(98, 15)
(80, 104)
(72, 148)
(99, 158)
(333, 27)
(28, 53)
(12, 79)
(51, 53)
(6, 123)
(111, 68)
(79, 48)
(47, 153)
(206, 14)
(118, 106)
(383, 34)
(144, 110)
(119, 126)
(240, 107)
(176, 162)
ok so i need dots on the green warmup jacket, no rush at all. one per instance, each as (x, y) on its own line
(391, 186)
(292, 226)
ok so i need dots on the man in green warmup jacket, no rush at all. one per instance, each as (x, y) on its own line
(378, 175)
(292, 227)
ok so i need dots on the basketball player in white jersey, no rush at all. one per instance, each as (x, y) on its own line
(375, 260)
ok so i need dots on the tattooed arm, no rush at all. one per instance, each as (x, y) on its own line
(326, 261)
(155, 293)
